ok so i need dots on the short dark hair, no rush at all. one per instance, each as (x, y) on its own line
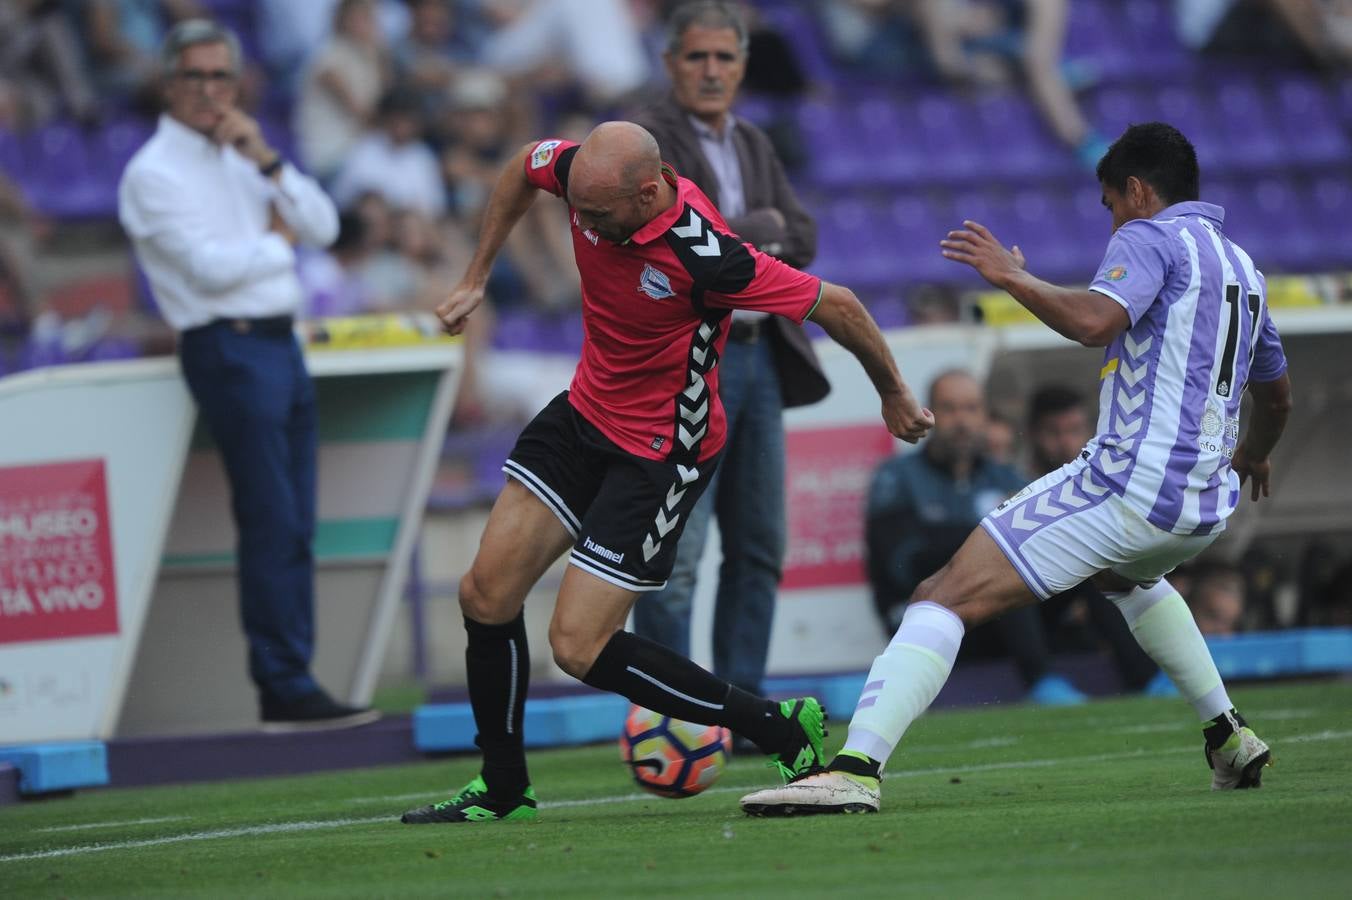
(1052, 400)
(1158, 154)
(705, 14)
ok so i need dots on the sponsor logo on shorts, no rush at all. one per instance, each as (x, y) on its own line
(544, 152)
(655, 283)
(658, 442)
(603, 552)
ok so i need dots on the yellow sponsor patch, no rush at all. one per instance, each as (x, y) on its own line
(1109, 368)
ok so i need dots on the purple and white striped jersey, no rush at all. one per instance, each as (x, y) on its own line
(1171, 384)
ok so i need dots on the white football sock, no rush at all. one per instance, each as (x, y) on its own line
(905, 679)
(1163, 625)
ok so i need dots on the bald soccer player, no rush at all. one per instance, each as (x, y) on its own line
(609, 471)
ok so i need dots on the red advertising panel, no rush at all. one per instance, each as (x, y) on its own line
(56, 553)
(828, 476)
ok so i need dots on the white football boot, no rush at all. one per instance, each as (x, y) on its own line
(1238, 763)
(823, 792)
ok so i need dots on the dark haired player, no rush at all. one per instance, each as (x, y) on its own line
(1182, 314)
(609, 470)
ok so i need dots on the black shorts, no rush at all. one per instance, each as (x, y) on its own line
(625, 512)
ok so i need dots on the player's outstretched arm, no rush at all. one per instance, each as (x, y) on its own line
(1271, 407)
(511, 197)
(1086, 317)
(844, 318)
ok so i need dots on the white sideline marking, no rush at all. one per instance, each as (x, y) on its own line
(291, 827)
(87, 825)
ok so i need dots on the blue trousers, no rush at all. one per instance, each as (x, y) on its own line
(258, 403)
(747, 495)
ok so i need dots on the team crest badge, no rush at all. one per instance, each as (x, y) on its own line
(544, 152)
(655, 283)
(1117, 273)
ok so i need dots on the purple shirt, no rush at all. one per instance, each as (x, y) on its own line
(1171, 383)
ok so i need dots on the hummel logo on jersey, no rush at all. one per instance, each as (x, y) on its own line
(655, 283)
(702, 244)
(604, 552)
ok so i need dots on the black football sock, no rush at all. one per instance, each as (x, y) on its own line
(854, 763)
(666, 682)
(497, 668)
(1218, 730)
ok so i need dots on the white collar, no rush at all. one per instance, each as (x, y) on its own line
(176, 132)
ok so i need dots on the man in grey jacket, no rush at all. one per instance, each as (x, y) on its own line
(768, 363)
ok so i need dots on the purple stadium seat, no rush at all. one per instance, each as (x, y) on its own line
(1016, 144)
(1306, 116)
(1328, 209)
(948, 131)
(1238, 103)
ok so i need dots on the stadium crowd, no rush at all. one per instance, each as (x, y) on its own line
(405, 111)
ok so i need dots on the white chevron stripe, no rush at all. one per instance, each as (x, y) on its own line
(696, 386)
(689, 439)
(1129, 403)
(692, 229)
(649, 548)
(1110, 465)
(1128, 427)
(664, 525)
(1136, 349)
(1089, 486)
(1125, 446)
(1022, 522)
(1045, 508)
(674, 496)
(1069, 497)
(699, 354)
(687, 473)
(705, 330)
(709, 247)
(1133, 376)
(695, 416)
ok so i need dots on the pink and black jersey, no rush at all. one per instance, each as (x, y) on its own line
(655, 312)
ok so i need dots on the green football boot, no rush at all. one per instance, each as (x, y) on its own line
(805, 754)
(473, 804)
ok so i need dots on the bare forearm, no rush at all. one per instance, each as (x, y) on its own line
(1271, 408)
(849, 324)
(512, 196)
(1060, 309)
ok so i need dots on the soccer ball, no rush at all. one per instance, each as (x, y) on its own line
(672, 758)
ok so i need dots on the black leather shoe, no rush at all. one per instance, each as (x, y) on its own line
(313, 712)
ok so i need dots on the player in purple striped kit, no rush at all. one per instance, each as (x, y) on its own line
(1181, 311)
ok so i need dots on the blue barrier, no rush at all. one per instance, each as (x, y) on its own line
(590, 718)
(44, 768)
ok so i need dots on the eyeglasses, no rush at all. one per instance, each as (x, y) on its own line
(202, 77)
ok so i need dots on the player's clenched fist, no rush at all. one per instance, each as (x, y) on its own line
(905, 418)
(454, 312)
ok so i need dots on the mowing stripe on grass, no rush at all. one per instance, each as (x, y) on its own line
(292, 827)
(87, 825)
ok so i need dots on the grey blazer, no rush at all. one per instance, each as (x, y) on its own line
(764, 184)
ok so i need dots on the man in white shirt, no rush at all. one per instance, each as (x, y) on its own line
(214, 214)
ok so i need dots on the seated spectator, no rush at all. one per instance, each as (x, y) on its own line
(1217, 600)
(1314, 33)
(341, 88)
(429, 57)
(393, 161)
(42, 73)
(330, 278)
(923, 505)
(592, 43)
(537, 268)
(122, 39)
(978, 42)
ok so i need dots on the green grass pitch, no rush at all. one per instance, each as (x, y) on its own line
(1105, 800)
